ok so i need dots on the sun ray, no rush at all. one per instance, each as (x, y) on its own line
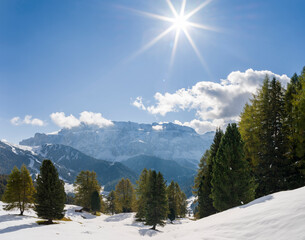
(172, 8)
(189, 38)
(201, 26)
(197, 9)
(174, 48)
(183, 8)
(155, 40)
(153, 15)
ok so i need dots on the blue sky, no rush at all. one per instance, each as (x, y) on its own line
(76, 56)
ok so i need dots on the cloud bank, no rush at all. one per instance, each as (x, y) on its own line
(215, 103)
(89, 118)
(28, 120)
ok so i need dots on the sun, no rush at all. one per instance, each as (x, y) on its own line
(179, 22)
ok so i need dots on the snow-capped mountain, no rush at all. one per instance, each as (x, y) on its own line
(123, 140)
(68, 161)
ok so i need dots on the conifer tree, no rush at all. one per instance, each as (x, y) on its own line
(172, 197)
(111, 202)
(125, 196)
(232, 184)
(141, 190)
(299, 123)
(50, 196)
(157, 205)
(181, 202)
(204, 176)
(95, 202)
(265, 128)
(19, 190)
(85, 184)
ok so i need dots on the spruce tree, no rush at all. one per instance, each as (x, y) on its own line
(172, 197)
(204, 176)
(157, 205)
(50, 196)
(85, 184)
(141, 190)
(232, 184)
(111, 202)
(181, 202)
(125, 196)
(19, 190)
(95, 202)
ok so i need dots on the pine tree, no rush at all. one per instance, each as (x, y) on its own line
(95, 202)
(141, 190)
(181, 202)
(204, 177)
(50, 196)
(111, 202)
(85, 184)
(19, 190)
(125, 196)
(172, 197)
(232, 183)
(299, 124)
(157, 205)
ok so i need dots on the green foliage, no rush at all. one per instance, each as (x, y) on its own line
(85, 184)
(95, 202)
(141, 193)
(111, 202)
(19, 190)
(50, 196)
(203, 187)
(125, 196)
(270, 128)
(176, 201)
(232, 183)
(156, 204)
(3, 182)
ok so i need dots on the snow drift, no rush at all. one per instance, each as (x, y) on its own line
(276, 216)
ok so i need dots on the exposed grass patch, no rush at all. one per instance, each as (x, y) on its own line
(66, 219)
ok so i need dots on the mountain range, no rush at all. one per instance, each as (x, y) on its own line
(121, 150)
(124, 140)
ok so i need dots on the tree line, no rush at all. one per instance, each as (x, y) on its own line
(264, 154)
(151, 198)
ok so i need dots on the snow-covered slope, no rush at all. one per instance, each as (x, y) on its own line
(127, 139)
(279, 216)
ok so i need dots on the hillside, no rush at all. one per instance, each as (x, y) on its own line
(278, 216)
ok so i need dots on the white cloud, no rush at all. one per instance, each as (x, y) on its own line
(89, 118)
(138, 103)
(202, 127)
(60, 119)
(27, 120)
(157, 127)
(213, 102)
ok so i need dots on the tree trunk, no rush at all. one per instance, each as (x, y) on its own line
(21, 213)
(50, 221)
(154, 227)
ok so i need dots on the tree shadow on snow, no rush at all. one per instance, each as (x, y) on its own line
(148, 232)
(118, 217)
(257, 201)
(12, 217)
(17, 228)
